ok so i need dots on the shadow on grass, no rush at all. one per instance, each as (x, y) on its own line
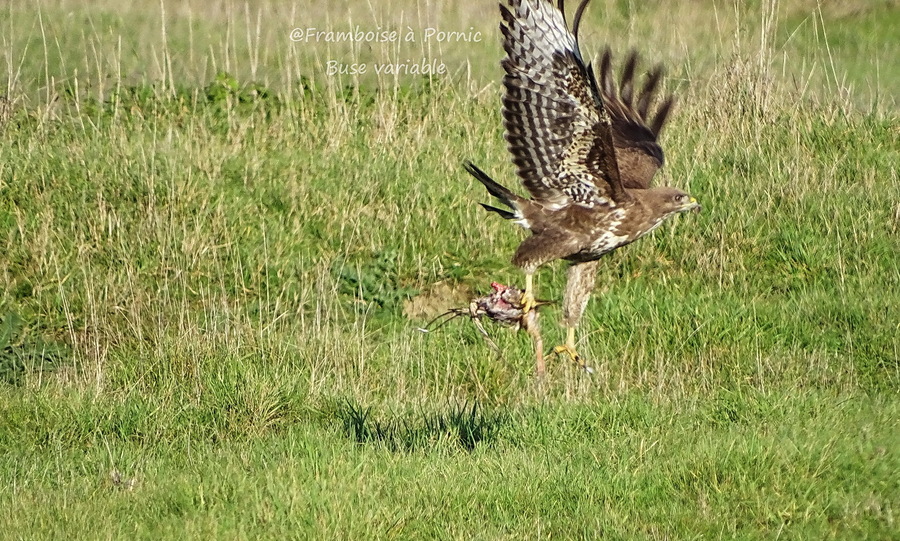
(463, 425)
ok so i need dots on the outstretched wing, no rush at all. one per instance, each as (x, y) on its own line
(558, 130)
(635, 128)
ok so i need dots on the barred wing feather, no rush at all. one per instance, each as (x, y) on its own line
(557, 128)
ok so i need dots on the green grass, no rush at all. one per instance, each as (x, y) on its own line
(728, 464)
(204, 278)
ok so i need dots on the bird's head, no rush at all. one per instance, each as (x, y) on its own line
(673, 200)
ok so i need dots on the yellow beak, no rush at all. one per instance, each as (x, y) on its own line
(695, 205)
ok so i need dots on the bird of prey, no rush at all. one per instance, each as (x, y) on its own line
(585, 150)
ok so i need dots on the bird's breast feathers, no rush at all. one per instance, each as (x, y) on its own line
(601, 229)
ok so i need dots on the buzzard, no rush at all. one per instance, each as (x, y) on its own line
(586, 151)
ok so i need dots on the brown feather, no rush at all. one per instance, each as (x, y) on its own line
(559, 133)
(635, 133)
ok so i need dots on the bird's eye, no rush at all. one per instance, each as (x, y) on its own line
(680, 198)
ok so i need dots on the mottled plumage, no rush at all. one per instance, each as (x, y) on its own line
(586, 150)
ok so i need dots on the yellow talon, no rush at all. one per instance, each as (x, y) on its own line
(569, 349)
(528, 301)
(559, 350)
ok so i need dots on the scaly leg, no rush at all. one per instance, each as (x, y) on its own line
(579, 283)
(569, 349)
(528, 302)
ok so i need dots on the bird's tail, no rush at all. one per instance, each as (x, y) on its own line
(505, 196)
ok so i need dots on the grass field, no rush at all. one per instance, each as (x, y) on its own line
(214, 257)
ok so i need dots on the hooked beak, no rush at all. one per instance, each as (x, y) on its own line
(694, 206)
